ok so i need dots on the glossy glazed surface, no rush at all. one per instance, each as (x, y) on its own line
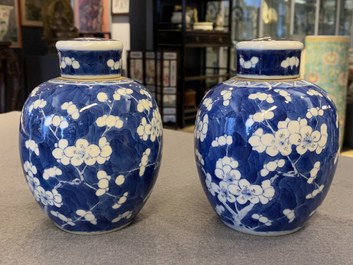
(270, 64)
(266, 152)
(91, 151)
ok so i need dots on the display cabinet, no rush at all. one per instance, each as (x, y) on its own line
(291, 18)
(203, 50)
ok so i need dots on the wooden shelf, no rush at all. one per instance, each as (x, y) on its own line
(194, 38)
(204, 77)
(191, 45)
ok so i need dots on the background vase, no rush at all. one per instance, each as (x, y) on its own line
(326, 65)
(90, 140)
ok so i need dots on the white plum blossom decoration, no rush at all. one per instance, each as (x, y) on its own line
(71, 109)
(145, 93)
(226, 169)
(35, 91)
(144, 161)
(290, 132)
(208, 103)
(314, 171)
(244, 192)
(151, 130)
(33, 146)
(289, 214)
(199, 157)
(144, 105)
(313, 92)
(122, 93)
(37, 104)
(67, 61)
(314, 112)
(87, 215)
(290, 62)
(250, 63)
(284, 94)
(119, 180)
(110, 121)
(56, 121)
(82, 152)
(103, 182)
(30, 169)
(52, 198)
(114, 65)
(126, 215)
(62, 218)
(315, 192)
(224, 194)
(307, 139)
(261, 142)
(272, 166)
(222, 140)
(262, 219)
(220, 209)
(144, 129)
(262, 96)
(102, 97)
(201, 127)
(121, 201)
(227, 95)
(212, 187)
(51, 172)
(156, 126)
(264, 115)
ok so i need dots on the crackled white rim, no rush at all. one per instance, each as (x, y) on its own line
(269, 45)
(89, 44)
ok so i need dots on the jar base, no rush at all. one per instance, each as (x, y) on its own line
(257, 233)
(93, 233)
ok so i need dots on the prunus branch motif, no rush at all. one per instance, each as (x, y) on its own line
(83, 154)
(237, 195)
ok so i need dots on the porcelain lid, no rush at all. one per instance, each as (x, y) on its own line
(268, 59)
(89, 44)
(90, 58)
(269, 44)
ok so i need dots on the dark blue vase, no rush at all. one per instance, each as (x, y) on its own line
(90, 140)
(266, 142)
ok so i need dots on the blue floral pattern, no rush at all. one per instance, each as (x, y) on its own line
(266, 152)
(91, 151)
(268, 62)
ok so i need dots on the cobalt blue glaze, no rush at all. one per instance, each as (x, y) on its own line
(268, 62)
(90, 151)
(266, 152)
(90, 62)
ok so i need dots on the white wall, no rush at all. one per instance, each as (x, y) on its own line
(120, 29)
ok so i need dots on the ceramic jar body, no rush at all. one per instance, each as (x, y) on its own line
(90, 151)
(266, 152)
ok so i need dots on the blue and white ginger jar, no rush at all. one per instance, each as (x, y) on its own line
(90, 140)
(266, 142)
